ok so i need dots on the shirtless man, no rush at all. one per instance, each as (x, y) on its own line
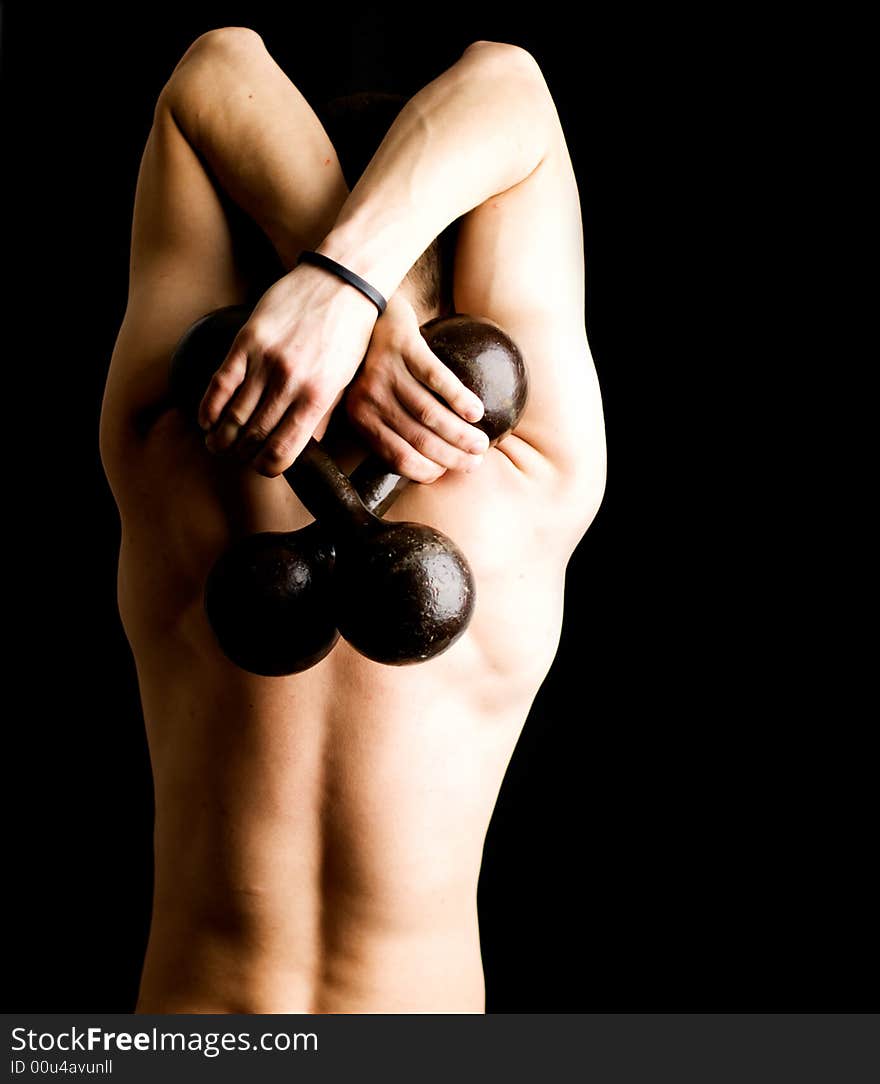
(318, 837)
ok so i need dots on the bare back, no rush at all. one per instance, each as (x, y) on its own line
(318, 837)
(326, 829)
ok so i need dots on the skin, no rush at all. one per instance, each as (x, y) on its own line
(318, 837)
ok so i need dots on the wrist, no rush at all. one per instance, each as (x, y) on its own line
(398, 324)
(399, 306)
(372, 249)
(340, 271)
(334, 290)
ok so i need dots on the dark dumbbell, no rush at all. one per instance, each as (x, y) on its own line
(401, 592)
(488, 362)
(269, 597)
(274, 598)
(266, 596)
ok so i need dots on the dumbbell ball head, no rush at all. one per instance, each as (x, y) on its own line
(199, 352)
(488, 362)
(266, 599)
(404, 594)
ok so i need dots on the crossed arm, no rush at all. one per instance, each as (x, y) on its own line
(480, 129)
(481, 143)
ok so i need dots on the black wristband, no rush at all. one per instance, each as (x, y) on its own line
(320, 260)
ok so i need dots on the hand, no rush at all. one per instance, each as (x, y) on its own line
(391, 405)
(301, 346)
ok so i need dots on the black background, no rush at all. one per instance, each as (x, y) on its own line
(683, 825)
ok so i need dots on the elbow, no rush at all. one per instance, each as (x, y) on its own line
(228, 41)
(502, 52)
(504, 58)
(227, 45)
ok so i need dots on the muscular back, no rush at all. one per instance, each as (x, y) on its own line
(344, 809)
(318, 837)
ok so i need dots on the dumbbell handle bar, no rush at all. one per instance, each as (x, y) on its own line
(345, 505)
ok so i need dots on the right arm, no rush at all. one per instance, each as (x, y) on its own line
(470, 142)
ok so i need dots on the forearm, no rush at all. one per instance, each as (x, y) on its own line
(477, 130)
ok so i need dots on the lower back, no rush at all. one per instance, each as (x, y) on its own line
(318, 838)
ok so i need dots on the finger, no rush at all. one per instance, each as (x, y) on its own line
(224, 383)
(288, 438)
(400, 456)
(430, 370)
(236, 414)
(429, 412)
(425, 441)
(277, 396)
